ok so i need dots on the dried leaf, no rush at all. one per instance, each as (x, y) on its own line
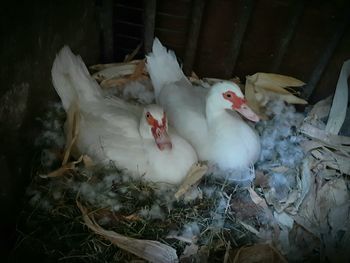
(139, 72)
(180, 238)
(265, 94)
(59, 172)
(88, 162)
(277, 80)
(262, 203)
(321, 109)
(305, 216)
(115, 71)
(114, 82)
(261, 179)
(194, 175)
(72, 130)
(194, 75)
(323, 136)
(132, 217)
(121, 75)
(304, 183)
(99, 67)
(264, 253)
(310, 145)
(150, 250)
(320, 211)
(290, 98)
(327, 174)
(271, 86)
(63, 169)
(333, 160)
(253, 102)
(249, 228)
(280, 205)
(286, 224)
(284, 219)
(336, 243)
(258, 200)
(340, 101)
(261, 88)
(131, 56)
(332, 213)
(295, 196)
(333, 194)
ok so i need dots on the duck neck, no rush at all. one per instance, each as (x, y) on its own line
(214, 110)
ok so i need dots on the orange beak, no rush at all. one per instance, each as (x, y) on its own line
(162, 138)
(239, 104)
(247, 112)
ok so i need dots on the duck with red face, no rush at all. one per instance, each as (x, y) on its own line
(112, 130)
(210, 119)
(159, 130)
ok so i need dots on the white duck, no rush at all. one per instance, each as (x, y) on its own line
(208, 119)
(114, 130)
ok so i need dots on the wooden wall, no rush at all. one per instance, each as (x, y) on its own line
(305, 39)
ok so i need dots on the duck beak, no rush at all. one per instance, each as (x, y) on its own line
(247, 112)
(162, 139)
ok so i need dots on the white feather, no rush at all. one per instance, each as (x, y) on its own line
(200, 116)
(114, 130)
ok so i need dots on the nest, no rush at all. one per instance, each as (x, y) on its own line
(85, 213)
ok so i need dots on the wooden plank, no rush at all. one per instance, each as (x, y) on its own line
(237, 37)
(340, 101)
(340, 29)
(297, 10)
(150, 17)
(192, 39)
(105, 12)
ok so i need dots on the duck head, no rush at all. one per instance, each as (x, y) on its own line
(154, 124)
(228, 95)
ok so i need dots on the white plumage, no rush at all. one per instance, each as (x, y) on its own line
(113, 130)
(205, 117)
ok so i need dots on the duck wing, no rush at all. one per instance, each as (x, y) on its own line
(183, 103)
(109, 127)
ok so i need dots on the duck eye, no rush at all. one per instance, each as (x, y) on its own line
(148, 115)
(228, 95)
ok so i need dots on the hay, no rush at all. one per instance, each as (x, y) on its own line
(131, 208)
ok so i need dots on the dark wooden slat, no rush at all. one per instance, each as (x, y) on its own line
(149, 21)
(106, 27)
(127, 23)
(170, 15)
(297, 10)
(340, 29)
(193, 34)
(128, 7)
(168, 30)
(237, 37)
(128, 37)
